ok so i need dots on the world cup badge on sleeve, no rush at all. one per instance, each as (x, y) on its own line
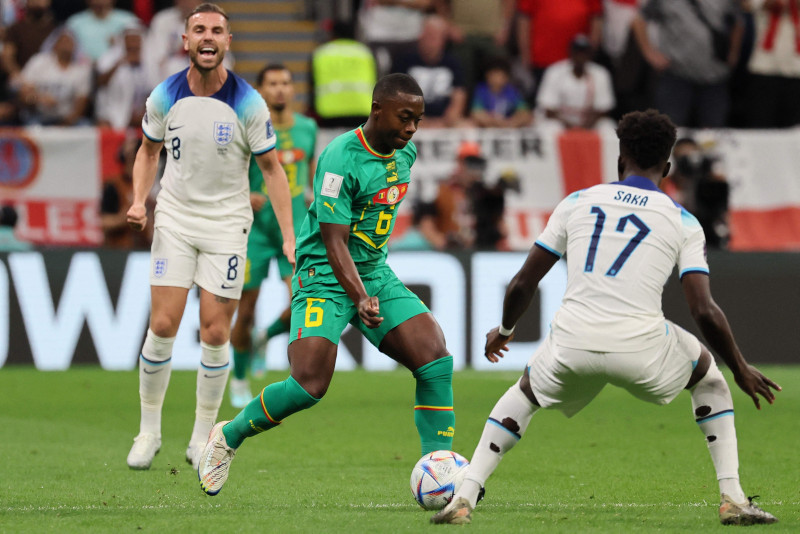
(159, 267)
(223, 133)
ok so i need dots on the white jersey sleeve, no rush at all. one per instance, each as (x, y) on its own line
(258, 125)
(692, 257)
(156, 109)
(554, 237)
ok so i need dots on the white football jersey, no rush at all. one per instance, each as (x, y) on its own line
(205, 189)
(622, 241)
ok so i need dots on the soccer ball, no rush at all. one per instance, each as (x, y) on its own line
(436, 478)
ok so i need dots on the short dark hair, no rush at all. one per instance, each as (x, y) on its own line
(271, 67)
(208, 7)
(646, 137)
(393, 84)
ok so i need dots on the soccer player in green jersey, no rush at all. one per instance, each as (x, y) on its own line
(342, 277)
(297, 137)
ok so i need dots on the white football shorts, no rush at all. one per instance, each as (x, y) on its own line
(178, 260)
(568, 379)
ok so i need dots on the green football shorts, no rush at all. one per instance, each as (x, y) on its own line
(260, 252)
(266, 242)
(324, 310)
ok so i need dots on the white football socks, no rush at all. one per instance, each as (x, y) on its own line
(506, 425)
(713, 411)
(212, 377)
(155, 367)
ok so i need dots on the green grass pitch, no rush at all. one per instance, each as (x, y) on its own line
(619, 466)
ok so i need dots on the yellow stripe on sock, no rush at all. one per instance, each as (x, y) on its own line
(435, 408)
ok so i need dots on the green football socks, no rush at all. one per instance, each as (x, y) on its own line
(276, 402)
(241, 362)
(433, 405)
(278, 326)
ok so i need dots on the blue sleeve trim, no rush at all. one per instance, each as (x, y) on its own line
(548, 249)
(693, 270)
(152, 138)
(264, 151)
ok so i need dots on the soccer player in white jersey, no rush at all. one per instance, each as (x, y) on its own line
(210, 121)
(622, 241)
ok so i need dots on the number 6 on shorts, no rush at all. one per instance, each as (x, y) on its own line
(313, 313)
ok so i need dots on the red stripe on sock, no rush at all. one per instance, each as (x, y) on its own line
(264, 407)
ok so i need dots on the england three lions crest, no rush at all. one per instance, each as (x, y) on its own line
(223, 133)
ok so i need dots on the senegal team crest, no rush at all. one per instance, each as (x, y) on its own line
(223, 133)
(391, 195)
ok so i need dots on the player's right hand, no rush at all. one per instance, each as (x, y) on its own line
(496, 343)
(368, 310)
(754, 384)
(137, 217)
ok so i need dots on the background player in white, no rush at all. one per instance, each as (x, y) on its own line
(210, 121)
(622, 241)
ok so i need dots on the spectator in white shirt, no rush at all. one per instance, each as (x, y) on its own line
(55, 83)
(123, 85)
(576, 92)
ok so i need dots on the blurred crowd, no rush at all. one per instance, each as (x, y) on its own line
(67, 62)
(509, 63)
(503, 64)
(580, 63)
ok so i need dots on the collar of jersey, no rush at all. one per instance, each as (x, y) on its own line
(365, 144)
(640, 182)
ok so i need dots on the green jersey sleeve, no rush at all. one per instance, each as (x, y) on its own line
(334, 188)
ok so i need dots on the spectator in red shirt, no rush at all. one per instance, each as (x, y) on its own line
(547, 27)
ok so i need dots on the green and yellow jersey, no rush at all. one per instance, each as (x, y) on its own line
(295, 150)
(357, 186)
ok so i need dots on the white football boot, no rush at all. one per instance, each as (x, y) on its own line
(215, 461)
(457, 512)
(745, 513)
(145, 447)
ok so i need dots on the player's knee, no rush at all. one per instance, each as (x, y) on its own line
(164, 326)
(313, 385)
(713, 378)
(214, 334)
(711, 396)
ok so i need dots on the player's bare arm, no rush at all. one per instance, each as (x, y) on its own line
(518, 297)
(278, 188)
(144, 174)
(336, 237)
(715, 328)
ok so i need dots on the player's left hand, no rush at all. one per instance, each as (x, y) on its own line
(368, 310)
(754, 384)
(496, 344)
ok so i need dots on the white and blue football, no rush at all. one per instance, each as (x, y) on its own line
(436, 478)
